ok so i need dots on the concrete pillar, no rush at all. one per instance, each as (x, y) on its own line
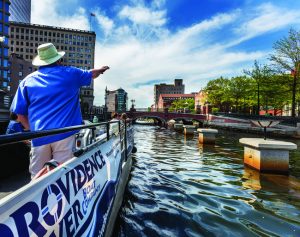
(267, 155)
(207, 136)
(178, 127)
(189, 129)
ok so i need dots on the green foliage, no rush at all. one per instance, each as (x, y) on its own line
(287, 57)
(215, 110)
(240, 94)
(181, 104)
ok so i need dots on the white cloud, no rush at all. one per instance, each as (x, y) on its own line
(46, 13)
(139, 47)
(143, 15)
(266, 18)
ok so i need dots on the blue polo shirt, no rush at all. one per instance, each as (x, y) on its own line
(14, 127)
(50, 99)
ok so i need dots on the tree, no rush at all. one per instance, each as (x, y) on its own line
(182, 104)
(260, 74)
(217, 93)
(239, 88)
(287, 57)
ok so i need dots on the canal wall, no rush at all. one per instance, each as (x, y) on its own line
(244, 125)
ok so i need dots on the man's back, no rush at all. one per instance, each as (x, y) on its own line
(50, 97)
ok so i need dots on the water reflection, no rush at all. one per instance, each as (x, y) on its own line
(179, 187)
(269, 182)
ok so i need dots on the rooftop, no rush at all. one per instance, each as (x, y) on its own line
(51, 27)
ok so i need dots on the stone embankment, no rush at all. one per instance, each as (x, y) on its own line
(244, 125)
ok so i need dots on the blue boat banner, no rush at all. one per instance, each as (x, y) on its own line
(74, 199)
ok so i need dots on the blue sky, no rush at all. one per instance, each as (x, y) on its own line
(151, 41)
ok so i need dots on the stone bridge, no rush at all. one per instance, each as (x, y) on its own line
(166, 116)
(163, 117)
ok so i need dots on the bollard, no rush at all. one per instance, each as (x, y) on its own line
(207, 136)
(189, 129)
(270, 156)
(178, 127)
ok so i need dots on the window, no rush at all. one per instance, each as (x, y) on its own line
(5, 50)
(12, 29)
(7, 7)
(20, 74)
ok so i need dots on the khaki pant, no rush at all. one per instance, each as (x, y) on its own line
(59, 151)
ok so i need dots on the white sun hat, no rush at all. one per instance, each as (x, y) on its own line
(47, 54)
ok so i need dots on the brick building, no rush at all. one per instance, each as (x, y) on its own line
(176, 88)
(19, 69)
(165, 100)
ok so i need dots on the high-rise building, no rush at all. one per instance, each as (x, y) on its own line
(20, 10)
(116, 101)
(79, 46)
(176, 88)
(4, 66)
(19, 69)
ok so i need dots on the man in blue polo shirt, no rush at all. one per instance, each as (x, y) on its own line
(49, 98)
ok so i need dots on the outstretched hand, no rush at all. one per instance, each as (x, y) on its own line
(97, 72)
(104, 68)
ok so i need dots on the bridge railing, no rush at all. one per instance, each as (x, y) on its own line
(148, 110)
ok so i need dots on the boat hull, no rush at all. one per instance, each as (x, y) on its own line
(82, 197)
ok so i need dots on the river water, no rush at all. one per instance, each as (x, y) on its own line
(181, 188)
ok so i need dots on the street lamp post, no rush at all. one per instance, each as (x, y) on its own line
(132, 105)
(185, 105)
(198, 108)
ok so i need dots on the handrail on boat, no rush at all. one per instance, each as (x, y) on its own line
(28, 135)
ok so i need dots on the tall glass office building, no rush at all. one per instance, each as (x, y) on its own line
(20, 11)
(4, 67)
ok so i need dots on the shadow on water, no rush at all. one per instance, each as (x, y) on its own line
(181, 188)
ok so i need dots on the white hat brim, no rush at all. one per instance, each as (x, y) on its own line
(39, 62)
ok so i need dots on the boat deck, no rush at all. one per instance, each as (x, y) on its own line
(13, 183)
